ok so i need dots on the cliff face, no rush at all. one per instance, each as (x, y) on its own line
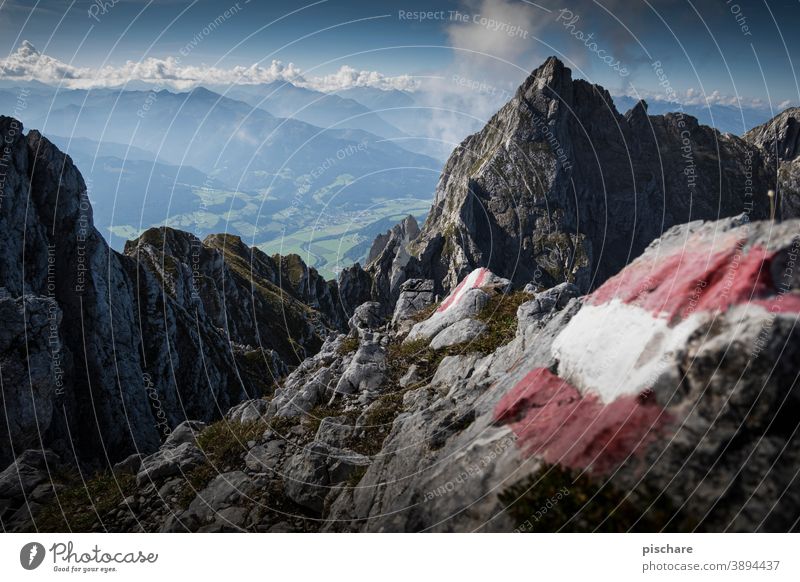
(102, 353)
(561, 187)
(779, 139)
(248, 296)
(117, 361)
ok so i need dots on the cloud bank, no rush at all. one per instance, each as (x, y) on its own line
(28, 64)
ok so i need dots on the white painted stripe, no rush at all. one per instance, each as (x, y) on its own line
(468, 283)
(617, 349)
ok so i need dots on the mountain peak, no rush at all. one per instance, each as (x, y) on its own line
(588, 161)
(551, 73)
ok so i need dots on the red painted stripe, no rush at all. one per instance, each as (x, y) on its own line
(696, 280)
(450, 298)
(552, 420)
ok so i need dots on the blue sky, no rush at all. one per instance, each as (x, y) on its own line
(713, 48)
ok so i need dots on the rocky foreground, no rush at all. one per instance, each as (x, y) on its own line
(526, 374)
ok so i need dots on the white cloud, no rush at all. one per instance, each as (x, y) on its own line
(498, 28)
(696, 97)
(27, 64)
(347, 77)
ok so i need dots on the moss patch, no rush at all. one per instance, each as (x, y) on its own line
(77, 507)
(223, 443)
(500, 317)
(558, 499)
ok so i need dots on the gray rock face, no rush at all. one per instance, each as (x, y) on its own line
(469, 306)
(334, 431)
(559, 186)
(33, 385)
(132, 385)
(265, 457)
(185, 432)
(169, 462)
(448, 453)
(388, 258)
(779, 137)
(355, 288)
(248, 411)
(310, 288)
(779, 140)
(311, 383)
(22, 484)
(366, 317)
(546, 302)
(460, 332)
(256, 300)
(366, 370)
(311, 474)
(415, 295)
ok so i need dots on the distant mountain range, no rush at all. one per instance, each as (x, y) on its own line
(289, 168)
(254, 167)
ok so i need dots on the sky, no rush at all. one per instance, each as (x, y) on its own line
(714, 51)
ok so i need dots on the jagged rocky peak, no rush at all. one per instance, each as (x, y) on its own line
(388, 261)
(404, 232)
(114, 342)
(780, 136)
(779, 139)
(559, 186)
(256, 300)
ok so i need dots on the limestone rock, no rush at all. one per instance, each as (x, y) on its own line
(460, 332)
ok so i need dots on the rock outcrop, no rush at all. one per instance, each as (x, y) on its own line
(779, 139)
(114, 360)
(259, 302)
(388, 260)
(665, 399)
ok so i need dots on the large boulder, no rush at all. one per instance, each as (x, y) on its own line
(415, 295)
(366, 317)
(461, 332)
(311, 474)
(366, 371)
(26, 485)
